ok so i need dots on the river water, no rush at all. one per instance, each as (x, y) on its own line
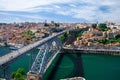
(90, 66)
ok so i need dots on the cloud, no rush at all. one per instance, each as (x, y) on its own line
(16, 5)
(88, 10)
(18, 17)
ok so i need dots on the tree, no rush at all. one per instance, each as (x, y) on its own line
(56, 24)
(94, 25)
(102, 27)
(104, 41)
(46, 24)
(29, 32)
(21, 71)
(13, 74)
(64, 37)
(117, 36)
(19, 74)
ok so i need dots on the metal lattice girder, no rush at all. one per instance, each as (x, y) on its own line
(44, 59)
(39, 65)
(36, 64)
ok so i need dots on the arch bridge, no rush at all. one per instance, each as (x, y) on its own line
(43, 59)
(49, 48)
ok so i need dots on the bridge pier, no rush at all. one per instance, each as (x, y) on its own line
(33, 76)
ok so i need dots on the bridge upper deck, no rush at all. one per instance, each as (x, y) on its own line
(11, 56)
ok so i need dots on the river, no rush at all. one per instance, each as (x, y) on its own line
(94, 67)
(90, 66)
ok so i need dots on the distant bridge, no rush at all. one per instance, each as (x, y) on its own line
(89, 50)
(42, 61)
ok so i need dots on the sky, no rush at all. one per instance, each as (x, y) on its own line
(88, 11)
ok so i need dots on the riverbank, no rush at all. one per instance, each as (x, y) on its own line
(87, 50)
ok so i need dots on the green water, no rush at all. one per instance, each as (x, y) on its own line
(94, 67)
(4, 50)
(101, 67)
(24, 62)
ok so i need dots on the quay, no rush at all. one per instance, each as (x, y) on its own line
(90, 51)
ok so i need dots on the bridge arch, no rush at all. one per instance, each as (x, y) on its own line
(43, 59)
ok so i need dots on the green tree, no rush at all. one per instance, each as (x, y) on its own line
(105, 41)
(20, 78)
(19, 74)
(79, 33)
(117, 36)
(29, 32)
(102, 27)
(64, 37)
(94, 25)
(13, 74)
(21, 71)
(46, 24)
(56, 24)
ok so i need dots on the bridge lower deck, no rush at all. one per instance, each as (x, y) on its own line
(90, 51)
